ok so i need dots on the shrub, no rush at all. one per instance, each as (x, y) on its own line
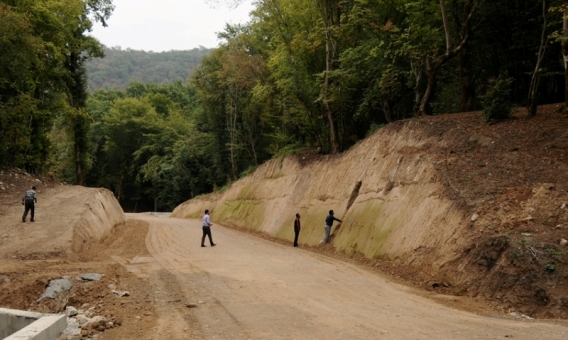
(496, 102)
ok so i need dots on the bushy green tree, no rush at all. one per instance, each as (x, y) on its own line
(44, 45)
(497, 101)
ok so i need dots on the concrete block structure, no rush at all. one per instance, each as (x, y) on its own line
(20, 325)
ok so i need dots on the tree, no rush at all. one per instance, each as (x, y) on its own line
(531, 98)
(44, 44)
(81, 49)
(565, 51)
(125, 128)
(434, 61)
(331, 15)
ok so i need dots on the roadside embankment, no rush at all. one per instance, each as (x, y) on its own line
(455, 204)
(68, 221)
(385, 189)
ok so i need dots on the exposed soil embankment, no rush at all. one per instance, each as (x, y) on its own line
(69, 220)
(458, 205)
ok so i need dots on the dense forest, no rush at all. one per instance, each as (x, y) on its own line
(121, 67)
(301, 74)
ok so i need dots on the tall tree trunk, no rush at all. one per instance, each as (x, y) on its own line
(78, 124)
(535, 79)
(232, 127)
(431, 74)
(417, 70)
(78, 169)
(120, 183)
(387, 111)
(565, 52)
(155, 189)
(330, 53)
(467, 90)
(433, 64)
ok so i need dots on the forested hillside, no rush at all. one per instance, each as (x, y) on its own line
(121, 67)
(299, 74)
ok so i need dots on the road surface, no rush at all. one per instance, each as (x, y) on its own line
(250, 288)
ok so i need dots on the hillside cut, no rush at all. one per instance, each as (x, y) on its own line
(448, 202)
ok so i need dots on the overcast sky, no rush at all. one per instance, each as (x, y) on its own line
(164, 25)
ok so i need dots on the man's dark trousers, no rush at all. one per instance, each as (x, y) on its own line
(207, 232)
(296, 233)
(30, 206)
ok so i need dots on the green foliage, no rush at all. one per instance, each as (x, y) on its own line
(496, 102)
(290, 149)
(121, 67)
(550, 267)
(556, 254)
(248, 171)
(146, 146)
(44, 45)
(373, 128)
(274, 86)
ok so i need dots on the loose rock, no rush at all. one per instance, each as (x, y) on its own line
(90, 277)
(71, 311)
(55, 288)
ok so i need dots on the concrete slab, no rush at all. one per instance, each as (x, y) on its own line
(20, 325)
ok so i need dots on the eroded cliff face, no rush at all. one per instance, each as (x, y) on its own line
(449, 202)
(385, 189)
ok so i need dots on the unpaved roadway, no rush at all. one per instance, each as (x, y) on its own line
(250, 288)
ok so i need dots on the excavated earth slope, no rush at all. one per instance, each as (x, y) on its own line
(447, 202)
(69, 219)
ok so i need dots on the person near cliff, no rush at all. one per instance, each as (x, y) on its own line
(297, 228)
(328, 223)
(28, 201)
(207, 229)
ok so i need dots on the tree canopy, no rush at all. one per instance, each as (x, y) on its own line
(120, 67)
(158, 128)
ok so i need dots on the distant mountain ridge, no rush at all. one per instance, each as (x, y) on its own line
(120, 67)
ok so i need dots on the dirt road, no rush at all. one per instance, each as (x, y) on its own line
(244, 288)
(250, 288)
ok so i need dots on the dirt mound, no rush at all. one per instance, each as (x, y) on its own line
(68, 219)
(77, 230)
(447, 202)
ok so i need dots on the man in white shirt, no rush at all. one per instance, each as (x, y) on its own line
(207, 229)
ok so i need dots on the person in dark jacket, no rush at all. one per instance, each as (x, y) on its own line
(28, 201)
(297, 228)
(328, 223)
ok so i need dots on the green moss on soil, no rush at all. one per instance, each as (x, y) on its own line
(243, 213)
(365, 231)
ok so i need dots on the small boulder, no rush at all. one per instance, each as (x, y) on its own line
(98, 323)
(55, 288)
(71, 311)
(81, 319)
(474, 217)
(563, 242)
